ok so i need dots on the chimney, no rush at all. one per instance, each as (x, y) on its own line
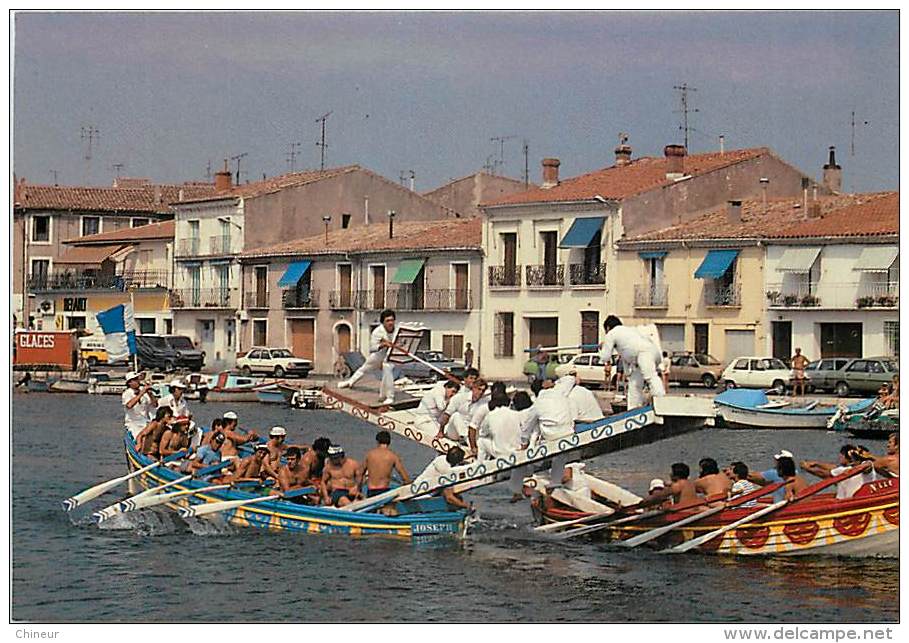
(722, 145)
(157, 195)
(734, 211)
(550, 173)
(814, 210)
(622, 155)
(391, 224)
(223, 179)
(764, 181)
(833, 173)
(675, 161)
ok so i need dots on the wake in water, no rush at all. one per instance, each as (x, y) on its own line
(146, 523)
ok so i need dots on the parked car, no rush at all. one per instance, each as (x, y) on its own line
(694, 368)
(823, 374)
(757, 372)
(865, 375)
(274, 361)
(93, 350)
(168, 352)
(417, 371)
(588, 366)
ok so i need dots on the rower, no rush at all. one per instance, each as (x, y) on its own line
(795, 483)
(176, 399)
(177, 437)
(314, 458)
(551, 418)
(293, 475)
(681, 490)
(256, 466)
(640, 356)
(139, 403)
(457, 409)
(432, 406)
(149, 439)
(379, 345)
(711, 482)
(275, 444)
(849, 456)
(889, 464)
(770, 476)
(207, 455)
(741, 485)
(442, 466)
(340, 478)
(379, 465)
(232, 435)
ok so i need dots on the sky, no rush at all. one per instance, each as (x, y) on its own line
(171, 94)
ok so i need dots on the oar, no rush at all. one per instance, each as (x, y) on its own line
(147, 502)
(808, 491)
(99, 489)
(197, 511)
(118, 507)
(554, 526)
(580, 531)
(438, 370)
(647, 536)
(296, 493)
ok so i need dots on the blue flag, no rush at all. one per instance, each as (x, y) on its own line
(119, 328)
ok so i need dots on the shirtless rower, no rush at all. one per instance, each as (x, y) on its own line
(889, 464)
(314, 458)
(176, 438)
(275, 444)
(681, 490)
(379, 464)
(256, 466)
(340, 479)
(149, 438)
(712, 482)
(233, 437)
(293, 475)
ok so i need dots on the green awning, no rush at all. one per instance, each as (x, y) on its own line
(407, 271)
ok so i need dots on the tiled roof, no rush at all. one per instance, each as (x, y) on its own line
(869, 217)
(146, 199)
(87, 255)
(162, 230)
(275, 183)
(453, 234)
(757, 220)
(621, 182)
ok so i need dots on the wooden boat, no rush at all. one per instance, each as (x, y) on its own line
(36, 385)
(872, 424)
(270, 395)
(417, 519)
(227, 387)
(104, 384)
(307, 398)
(751, 409)
(69, 386)
(865, 525)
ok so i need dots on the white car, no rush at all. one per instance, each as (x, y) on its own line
(757, 372)
(275, 361)
(588, 366)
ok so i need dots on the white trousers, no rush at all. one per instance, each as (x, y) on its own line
(644, 369)
(558, 469)
(426, 424)
(457, 427)
(485, 451)
(375, 362)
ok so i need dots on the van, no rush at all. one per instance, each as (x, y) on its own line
(168, 352)
(93, 350)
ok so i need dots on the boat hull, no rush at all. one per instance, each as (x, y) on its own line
(270, 397)
(69, 386)
(283, 516)
(232, 396)
(754, 418)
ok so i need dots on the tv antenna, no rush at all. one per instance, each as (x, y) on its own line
(54, 174)
(89, 135)
(208, 171)
(321, 143)
(501, 141)
(683, 90)
(526, 163)
(238, 158)
(117, 167)
(852, 146)
(292, 156)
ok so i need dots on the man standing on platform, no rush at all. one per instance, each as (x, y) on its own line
(640, 356)
(139, 403)
(379, 344)
(468, 356)
(799, 364)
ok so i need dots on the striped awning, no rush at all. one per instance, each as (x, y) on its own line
(877, 258)
(798, 259)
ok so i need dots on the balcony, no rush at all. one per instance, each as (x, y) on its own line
(505, 276)
(545, 275)
(651, 296)
(370, 299)
(189, 247)
(879, 295)
(92, 280)
(803, 295)
(256, 299)
(300, 299)
(581, 274)
(219, 245)
(344, 299)
(720, 296)
(204, 298)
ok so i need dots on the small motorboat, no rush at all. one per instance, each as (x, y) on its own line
(104, 384)
(227, 387)
(873, 423)
(752, 409)
(69, 386)
(271, 395)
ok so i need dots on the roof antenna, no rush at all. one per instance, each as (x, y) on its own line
(321, 143)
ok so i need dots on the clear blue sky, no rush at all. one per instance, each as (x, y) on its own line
(427, 91)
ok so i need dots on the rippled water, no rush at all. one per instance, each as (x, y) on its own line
(155, 567)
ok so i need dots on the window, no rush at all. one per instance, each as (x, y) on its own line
(254, 354)
(41, 229)
(91, 225)
(135, 223)
(858, 366)
(40, 269)
(504, 335)
(892, 337)
(583, 360)
(590, 329)
(260, 331)
(168, 326)
(146, 325)
(741, 365)
(453, 346)
(345, 220)
(378, 287)
(76, 322)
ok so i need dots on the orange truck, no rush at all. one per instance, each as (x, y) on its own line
(46, 349)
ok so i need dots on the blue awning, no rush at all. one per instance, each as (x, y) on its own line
(582, 232)
(653, 255)
(715, 264)
(293, 274)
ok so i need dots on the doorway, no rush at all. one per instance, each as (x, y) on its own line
(461, 290)
(343, 339)
(781, 332)
(841, 340)
(544, 331)
(302, 338)
(702, 339)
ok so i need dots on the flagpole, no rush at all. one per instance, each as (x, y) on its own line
(132, 304)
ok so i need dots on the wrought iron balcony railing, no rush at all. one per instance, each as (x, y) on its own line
(204, 298)
(581, 274)
(189, 247)
(92, 280)
(256, 299)
(307, 298)
(883, 294)
(651, 296)
(545, 275)
(718, 295)
(344, 299)
(219, 245)
(505, 276)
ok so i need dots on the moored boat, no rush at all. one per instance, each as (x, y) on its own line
(750, 408)
(69, 386)
(227, 387)
(872, 424)
(104, 384)
(271, 395)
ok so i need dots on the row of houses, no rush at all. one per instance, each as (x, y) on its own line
(728, 252)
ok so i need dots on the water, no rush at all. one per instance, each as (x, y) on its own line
(154, 567)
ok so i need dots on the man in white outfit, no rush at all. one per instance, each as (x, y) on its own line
(551, 418)
(462, 409)
(640, 356)
(379, 343)
(139, 403)
(499, 436)
(432, 406)
(583, 402)
(176, 399)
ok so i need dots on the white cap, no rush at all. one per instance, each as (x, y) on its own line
(277, 431)
(656, 483)
(177, 384)
(784, 454)
(132, 375)
(230, 415)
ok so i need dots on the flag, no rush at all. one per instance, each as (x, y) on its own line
(119, 328)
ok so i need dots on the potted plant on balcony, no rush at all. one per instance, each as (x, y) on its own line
(790, 300)
(773, 296)
(810, 300)
(865, 302)
(886, 300)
